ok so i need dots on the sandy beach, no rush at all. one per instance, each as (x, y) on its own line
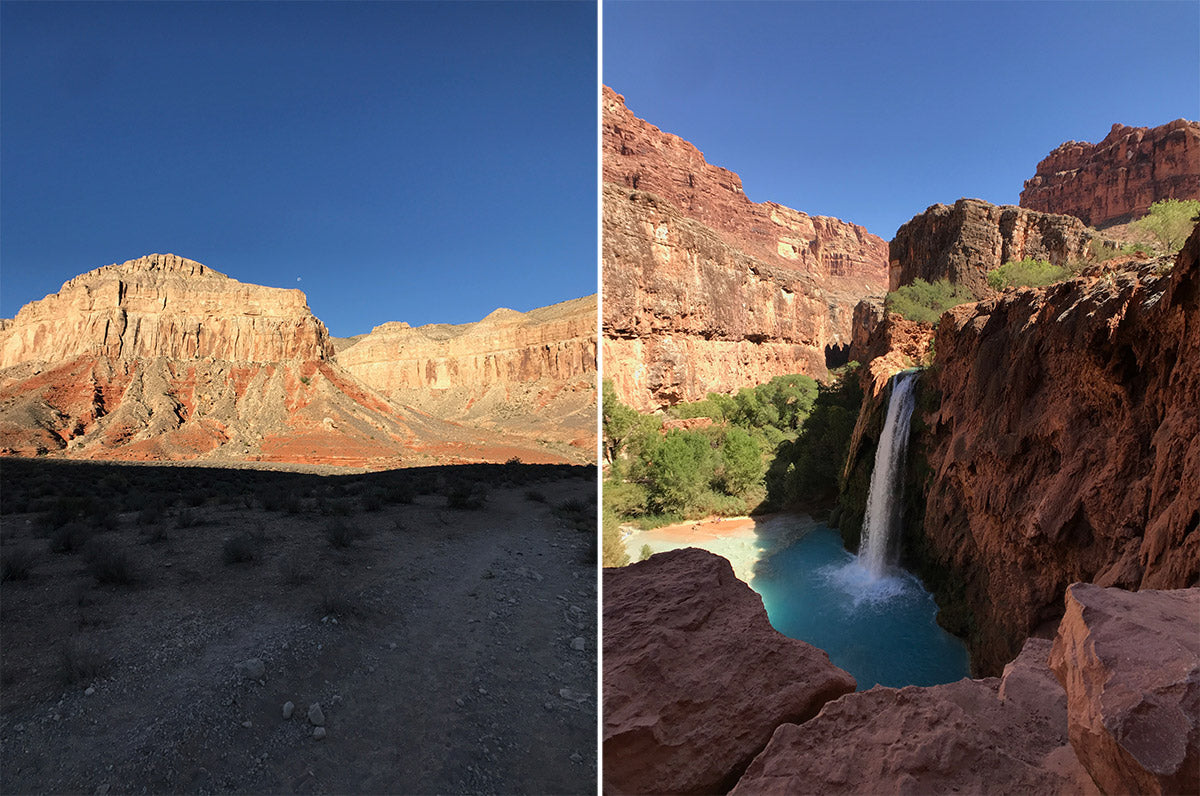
(744, 541)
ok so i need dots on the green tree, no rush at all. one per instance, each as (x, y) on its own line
(678, 470)
(646, 552)
(742, 461)
(619, 421)
(1171, 221)
(613, 553)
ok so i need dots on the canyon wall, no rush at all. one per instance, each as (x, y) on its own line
(532, 373)
(1118, 179)
(164, 306)
(162, 358)
(1065, 445)
(963, 241)
(556, 342)
(705, 290)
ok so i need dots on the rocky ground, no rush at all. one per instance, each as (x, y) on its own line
(443, 620)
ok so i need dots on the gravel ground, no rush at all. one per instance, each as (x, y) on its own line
(451, 650)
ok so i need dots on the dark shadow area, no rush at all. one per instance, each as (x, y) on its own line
(837, 355)
(157, 619)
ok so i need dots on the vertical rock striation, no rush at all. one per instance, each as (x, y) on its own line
(1118, 179)
(706, 290)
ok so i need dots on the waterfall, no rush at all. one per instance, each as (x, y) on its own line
(882, 521)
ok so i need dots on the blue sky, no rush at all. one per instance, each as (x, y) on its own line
(871, 112)
(396, 161)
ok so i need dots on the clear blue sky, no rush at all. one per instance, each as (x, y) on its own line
(871, 112)
(415, 162)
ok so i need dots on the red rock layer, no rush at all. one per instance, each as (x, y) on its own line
(1067, 445)
(1118, 179)
(706, 290)
(695, 677)
(1130, 664)
(964, 241)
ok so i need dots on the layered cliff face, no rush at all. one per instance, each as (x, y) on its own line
(1118, 179)
(162, 358)
(705, 290)
(535, 371)
(164, 306)
(1066, 446)
(963, 241)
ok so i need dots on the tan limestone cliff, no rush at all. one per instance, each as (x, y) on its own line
(705, 290)
(1119, 178)
(164, 306)
(533, 372)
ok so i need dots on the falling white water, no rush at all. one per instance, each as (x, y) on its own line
(882, 519)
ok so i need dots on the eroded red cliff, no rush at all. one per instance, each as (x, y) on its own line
(1066, 446)
(1119, 178)
(705, 290)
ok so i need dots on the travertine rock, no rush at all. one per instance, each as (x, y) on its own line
(1067, 445)
(1130, 664)
(695, 677)
(164, 306)
(972, 736)
(705, 290)
(963, 241)
(1118, 179)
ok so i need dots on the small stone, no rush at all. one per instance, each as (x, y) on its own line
(316, 715)
(483, 690)
(578, 643)
(247, 724)
(289, 708)
(91, 689)
(103, 790)
(392, 646)
(576, 757)
(253, 668)
(319, 734)
(548, 706)
(459, 702)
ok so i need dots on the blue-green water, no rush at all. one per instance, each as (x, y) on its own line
(881, 630)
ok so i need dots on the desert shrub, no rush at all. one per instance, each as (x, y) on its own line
(70, 538)
(109, 563)
(66, 509)
(535, 496)
(925, 302)
(196, 498)
(336, 602)
(1171, 221)
(1025, 273)
(579, 513)
(152, 513)
(187, 519)
(80, 663)
(372, 500)
(241, 548)
(400, 492)
(16, 563)
(153, 534)
(340, 534)
(465, 495)
(645, 553)
(293, 569)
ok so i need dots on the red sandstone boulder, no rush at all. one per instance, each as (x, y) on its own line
(695, 677)
(973, 736)
(1130, 664)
